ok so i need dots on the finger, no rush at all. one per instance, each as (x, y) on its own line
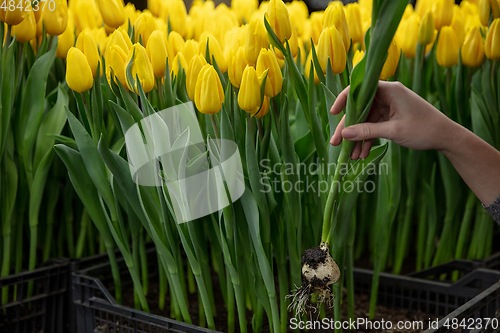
(340, 102)
(337, 136)
(356, 151)
(367, 131)
(365, 151)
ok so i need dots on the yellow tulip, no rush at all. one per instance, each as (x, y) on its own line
(426, 29)
(144, 27)
(120, 38)
(473, 49)
(335, 17)
(256, 39)
(391, 64)
(408, 38)
(458, 24)
(141, 68)
(267, 61)
(209, 94)
(26, 30)
(112, 12)
(331, 49)
(176, 42)
(100, 38)
(443, 13)
(66, 40)
(249, 98)
(447, 48)
(279, 19)
(86, 15)
(358, 56)
(315, 27)
(191, 49)
(157, 53)
(193, 70)
(214, 50)
(264, 109)
(174, 12)
(307, 69)
(131, 15)
(11, 14)
(116, 62)
(88, 46)
(78, 72)
(298, 15)
(484, 12)
(178, 64)
(354, 22)
(236, 65)
(422, 7)
(408, 11)
(155, 7)
(244, 9)
(492, 46)
(232, 40)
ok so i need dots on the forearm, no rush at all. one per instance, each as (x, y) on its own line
(477, 162)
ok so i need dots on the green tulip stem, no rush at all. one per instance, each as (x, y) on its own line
(214, 125)
(8, 37)
(261, 129)
(89, 117)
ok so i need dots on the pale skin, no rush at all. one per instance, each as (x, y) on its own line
(400, 115)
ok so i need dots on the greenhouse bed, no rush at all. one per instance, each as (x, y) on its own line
(43, 310)
(474, 295)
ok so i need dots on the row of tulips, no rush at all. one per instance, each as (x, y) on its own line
(263, 77)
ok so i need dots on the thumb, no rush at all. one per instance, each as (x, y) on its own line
(366, 131)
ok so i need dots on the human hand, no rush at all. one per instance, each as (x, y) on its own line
(397, 114)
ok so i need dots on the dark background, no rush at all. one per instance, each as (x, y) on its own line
(312, 4)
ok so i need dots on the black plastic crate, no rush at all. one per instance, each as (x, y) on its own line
(474, 295)
(44, 310)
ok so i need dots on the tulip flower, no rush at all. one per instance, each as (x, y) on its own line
(78, 71)
(358, 56)
(447, 48)
(407, 37)
(141, 69)
(66, 40)
(191, 49)
(155, 7)
(443, 13)
(144, 27)
(88, 46)
(176, 42)
(298, 15)
(335, 17)
(116, 62)
(256, 39)
(249, 98)
(267, 61)
(209, 94)
(194, 68)
(236, 65)
(178, 64)
(157, 53)
(214, 51)
(264, 109)
(307, 69)
(131, 15)
(112, 12)
(174, 12)
(26, 30)
(88, 16)
(316, 26)
(422, 7)
(331, 48)
(473, 49)
(492, 45)
(391, 64)
(244, 9)
(484, 12)
(14, 16)
(354, 22)
(120, 38)
(279, 19)
(458, 24)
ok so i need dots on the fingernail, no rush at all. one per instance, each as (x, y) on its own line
(349, 133)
